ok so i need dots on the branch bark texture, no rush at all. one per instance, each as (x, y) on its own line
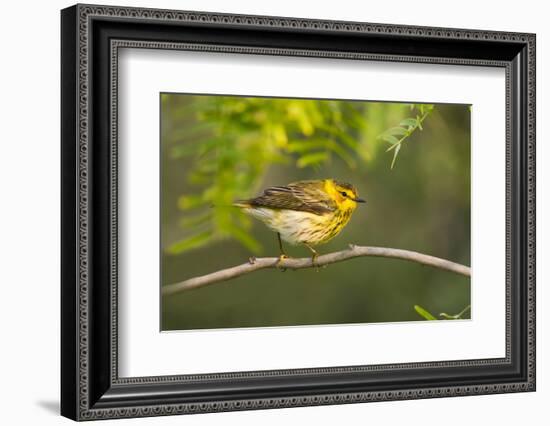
(300, 263)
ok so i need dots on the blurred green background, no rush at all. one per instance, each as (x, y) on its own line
(411, 162)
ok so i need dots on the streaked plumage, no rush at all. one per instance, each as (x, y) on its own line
(308, 212)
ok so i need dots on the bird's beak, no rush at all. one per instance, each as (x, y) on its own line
(359, 200)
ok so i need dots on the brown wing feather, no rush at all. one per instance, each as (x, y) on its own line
(307, 196)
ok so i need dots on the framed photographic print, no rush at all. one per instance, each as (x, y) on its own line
(263, 212)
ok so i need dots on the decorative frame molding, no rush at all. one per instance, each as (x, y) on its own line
(91, 37)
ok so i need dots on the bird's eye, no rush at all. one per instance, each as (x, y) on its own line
(344, 193)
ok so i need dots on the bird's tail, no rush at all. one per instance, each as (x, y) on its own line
(243, 204)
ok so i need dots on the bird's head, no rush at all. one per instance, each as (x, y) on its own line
(344, 194)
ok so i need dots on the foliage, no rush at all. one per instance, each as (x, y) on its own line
(396, 135)
(423, 204)
(424, 313)
(430, 317)
(233, 141)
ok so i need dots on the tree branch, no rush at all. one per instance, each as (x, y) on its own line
(326, 259)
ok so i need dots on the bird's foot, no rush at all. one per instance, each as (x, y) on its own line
(314, 263)
(314, 257)
(252, 260)
(282, 257)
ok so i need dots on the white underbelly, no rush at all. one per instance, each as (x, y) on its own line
(294, 226)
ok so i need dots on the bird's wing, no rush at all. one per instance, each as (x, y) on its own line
(296, 196)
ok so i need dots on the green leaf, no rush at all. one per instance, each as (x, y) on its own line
(188, 202)
(455, 317)
(419, 121)
(280, 136)
(394, 146)
(301, 146)
(424, 313)
(399, 131)
(395, 152)
(340, 135)
(320, 143)
(208, 145)
(312, 159)
(409, 122)
(391, 139)
(448, 317)
(195, 220)
(189, 243)
(245, 239)
(338, 150)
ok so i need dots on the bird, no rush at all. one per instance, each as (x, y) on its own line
(307, 212)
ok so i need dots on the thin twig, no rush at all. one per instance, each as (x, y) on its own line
(326, 259)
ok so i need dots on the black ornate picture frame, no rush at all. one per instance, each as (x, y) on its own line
(91, 387)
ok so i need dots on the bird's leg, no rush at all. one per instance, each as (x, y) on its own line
(283, 255)
(314, 255)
